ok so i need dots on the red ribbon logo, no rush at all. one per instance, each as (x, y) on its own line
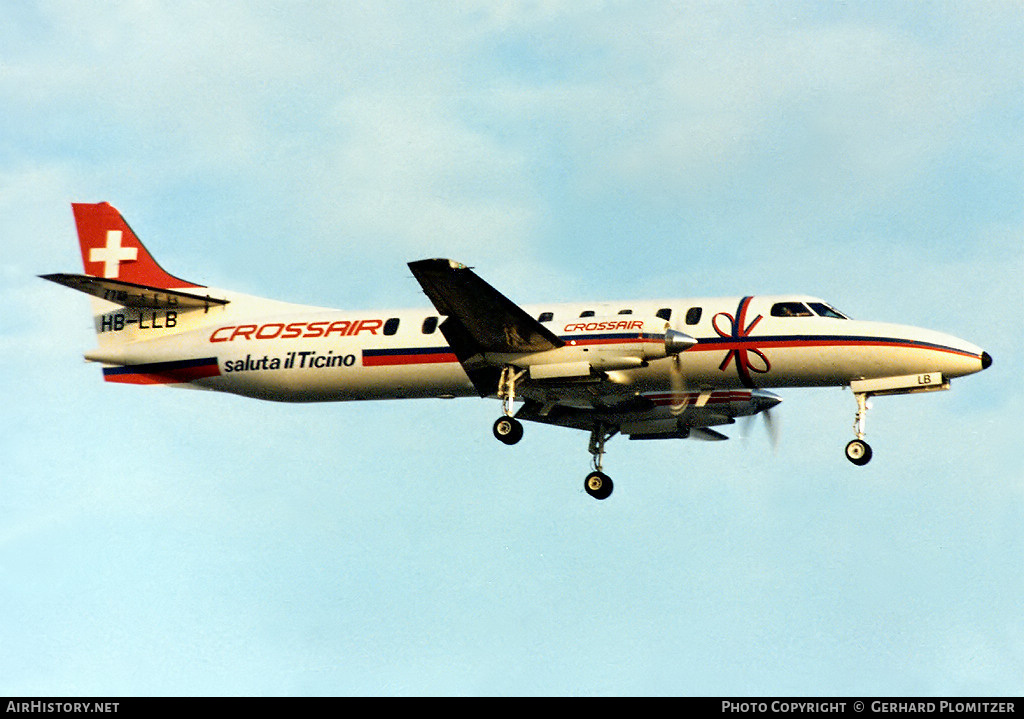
(738, 332)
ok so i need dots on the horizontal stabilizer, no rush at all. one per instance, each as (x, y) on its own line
(128, 294)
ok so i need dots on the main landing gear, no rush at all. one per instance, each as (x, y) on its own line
(598, 484)
(858, 451)
(507, 428)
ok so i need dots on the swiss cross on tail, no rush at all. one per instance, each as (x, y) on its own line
(113, 254)
(111, 250)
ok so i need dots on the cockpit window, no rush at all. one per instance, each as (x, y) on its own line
(826, 311)
(790, 309)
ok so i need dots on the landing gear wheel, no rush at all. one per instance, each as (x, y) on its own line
(508, 429)
(859, 452)
(598, 485)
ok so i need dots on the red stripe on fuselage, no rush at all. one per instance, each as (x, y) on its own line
(173, 376)
(407, 358)
(769, 343)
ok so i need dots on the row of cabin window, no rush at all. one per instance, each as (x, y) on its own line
(429, 325)
(665, 313)
(780, 309)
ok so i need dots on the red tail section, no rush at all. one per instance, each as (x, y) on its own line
(111, 250)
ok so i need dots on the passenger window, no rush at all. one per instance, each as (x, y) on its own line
(790, 309)
(429, 325)
(664, 313)
(693, 315)
(587, 313)
(391, 326)
(825, 311)
(625, 312)
(546, 316)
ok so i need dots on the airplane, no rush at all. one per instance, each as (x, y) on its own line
(646, 369)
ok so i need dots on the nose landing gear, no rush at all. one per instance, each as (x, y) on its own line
(858, 451)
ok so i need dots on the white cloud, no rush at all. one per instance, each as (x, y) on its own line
(410, 173)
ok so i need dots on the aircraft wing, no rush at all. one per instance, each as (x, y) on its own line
(479, 320)
(483, 328)
(492, 322)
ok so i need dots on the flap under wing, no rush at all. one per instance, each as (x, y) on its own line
(633, 418)
(643, 415)
(129, 294)
(489, 321)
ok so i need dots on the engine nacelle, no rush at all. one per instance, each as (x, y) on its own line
(618, 342)
(627, 335)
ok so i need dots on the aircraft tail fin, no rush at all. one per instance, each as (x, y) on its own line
(133, 299)
(112, 251)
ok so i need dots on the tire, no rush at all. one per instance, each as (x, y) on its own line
(598, 485)
(859, 452)
(508, 430)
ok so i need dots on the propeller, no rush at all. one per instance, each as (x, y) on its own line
(678, 381)
(771, 424)
(676, 343)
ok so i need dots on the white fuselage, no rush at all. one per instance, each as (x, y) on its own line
(293, 353)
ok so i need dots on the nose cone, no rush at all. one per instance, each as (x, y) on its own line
(952, 356)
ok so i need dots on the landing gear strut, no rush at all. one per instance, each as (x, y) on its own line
(858, 451)
(507, 428)
(598, 484)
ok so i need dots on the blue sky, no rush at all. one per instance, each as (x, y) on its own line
(155, 541)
